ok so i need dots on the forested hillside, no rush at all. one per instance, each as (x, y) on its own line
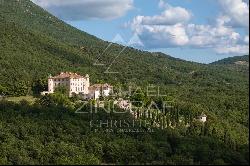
(35, 44)
(39, 134)
(233, 60)
(237, 63)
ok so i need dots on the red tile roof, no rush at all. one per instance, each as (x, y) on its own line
(67, 75)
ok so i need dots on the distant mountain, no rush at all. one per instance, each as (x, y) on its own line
(237, 63)
(35, 44)
(237, 60)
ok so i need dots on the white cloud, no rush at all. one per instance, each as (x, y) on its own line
(86, 9)
(223, 40)
(172, 29)
(188, 35)
(170, 16)
(164, 30)
(223, 20)
(211, 36)
(236, 11)
(236, 50)
(156, 36)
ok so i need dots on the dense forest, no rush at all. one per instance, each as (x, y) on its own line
(50, 132)
(232, 60)
(35, 44)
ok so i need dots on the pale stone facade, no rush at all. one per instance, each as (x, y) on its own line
(79, 85)
(97, 90)
(76, 84)
(202, 118)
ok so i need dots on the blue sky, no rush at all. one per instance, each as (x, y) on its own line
(202, 31)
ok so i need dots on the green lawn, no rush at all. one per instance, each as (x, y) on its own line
(30, 99)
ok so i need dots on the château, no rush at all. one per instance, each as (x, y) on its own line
(77, 85)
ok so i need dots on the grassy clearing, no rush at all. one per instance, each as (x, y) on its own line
(30, 99)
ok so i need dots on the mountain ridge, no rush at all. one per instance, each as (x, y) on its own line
(232, 60)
